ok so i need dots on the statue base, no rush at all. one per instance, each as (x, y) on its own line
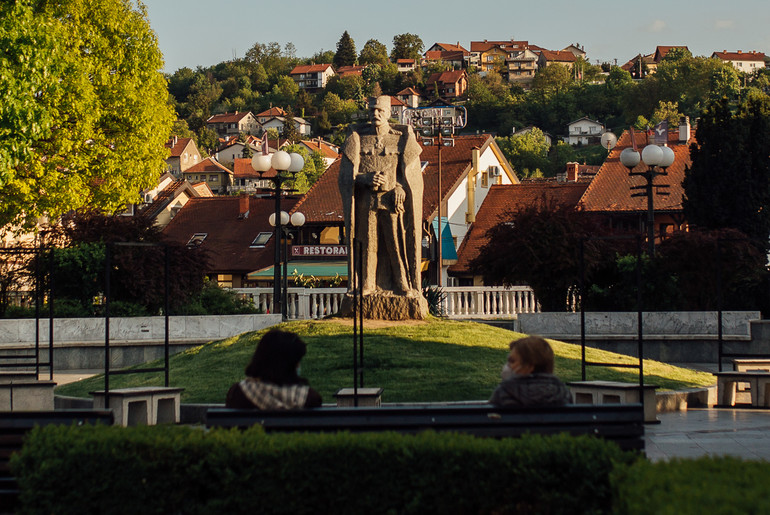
(387, 306)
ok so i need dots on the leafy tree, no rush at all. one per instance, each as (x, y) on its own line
(290, 131)
(181, 129)
(314, 167)
(338, 110)
(728, 185)
(406, 46)
(349, 87)
(74, 116)
(346, 51)
(668, 111)
(539, 246)
(374, 52)
(322, 56)
(552, 79)
(324, 125)
(527, 153)
(208, 141)
(276, 62)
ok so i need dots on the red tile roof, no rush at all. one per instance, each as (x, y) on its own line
(242, 169)
(559, 56)
(228, 117)
(326, 149)
(228, 236)
(505, 199)
(343, 71)
(310, 68)
(446, 77)
(408, 91)
(661, 51)
(208, 165)
(394, 101)
(273, 111)
(740, 56)
(483, 46)
(610, 189)
(177, 145)
(448, 47)
(443, 55)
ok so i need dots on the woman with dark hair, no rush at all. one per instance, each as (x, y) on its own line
(272, 380)
(528, 378)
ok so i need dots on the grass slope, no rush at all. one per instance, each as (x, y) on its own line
(437, 360)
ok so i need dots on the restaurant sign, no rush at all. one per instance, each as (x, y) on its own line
(319, 250)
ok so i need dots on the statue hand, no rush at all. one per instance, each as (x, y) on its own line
(378, 180)
(399, 198)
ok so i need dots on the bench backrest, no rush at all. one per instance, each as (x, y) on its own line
(621, 423)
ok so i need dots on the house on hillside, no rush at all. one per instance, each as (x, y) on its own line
(169, 201)
(447, 85)
(484, 53)
(561, 57)
(584, 131)
(576, 49)
(498, 204)
(233, 124)
(235, 233)
(468, 169)
(277, 123)
(406, 65)
(409, 96)
(643, 65)
(212, 172)
(747, 62)
(452, 55)
(329, 151)
(270, 113)
(610, 192)
(312, 77)
(248, 180)
(233, 149)
(521, 67)
(183, 153)
(344, 71)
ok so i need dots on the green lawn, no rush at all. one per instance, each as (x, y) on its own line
(437, 360)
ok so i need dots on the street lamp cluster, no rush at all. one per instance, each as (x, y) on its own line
(286, 166)
(657, 159)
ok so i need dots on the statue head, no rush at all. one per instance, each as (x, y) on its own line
(379, 110)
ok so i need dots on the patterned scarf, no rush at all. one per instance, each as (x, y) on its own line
(269, 396)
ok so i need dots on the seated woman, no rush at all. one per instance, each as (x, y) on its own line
(528, 378)
(272, 381)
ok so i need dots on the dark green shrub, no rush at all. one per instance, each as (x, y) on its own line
(436, 298)
(121, 308)
(214, 300)
(703, 485)
(177, 469)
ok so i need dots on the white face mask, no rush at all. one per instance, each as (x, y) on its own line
(507, 372)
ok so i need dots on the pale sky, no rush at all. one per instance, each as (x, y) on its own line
(202, 33)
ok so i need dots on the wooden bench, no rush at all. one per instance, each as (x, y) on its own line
(143, 405)
(615, 392)
(15, 425)
(623, 424)
(727, 387)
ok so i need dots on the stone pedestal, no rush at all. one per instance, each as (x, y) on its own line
(385, 306)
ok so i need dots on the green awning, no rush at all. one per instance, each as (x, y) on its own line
(318, 269)
(448, 250)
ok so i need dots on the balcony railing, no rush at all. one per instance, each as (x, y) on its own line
(460, 301)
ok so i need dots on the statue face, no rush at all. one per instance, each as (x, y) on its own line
(379, 116)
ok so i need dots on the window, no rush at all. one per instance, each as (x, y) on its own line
(212, 178)
(484, 179)
(261, 240)
(197, 239)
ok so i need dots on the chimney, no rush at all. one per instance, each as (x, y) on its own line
(572, 172)
(684, 129)
(176, 138)
(243, 205)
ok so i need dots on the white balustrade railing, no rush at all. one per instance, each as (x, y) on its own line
(488, 301)
(459, 301)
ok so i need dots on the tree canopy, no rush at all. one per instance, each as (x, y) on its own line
(346, 51)
(85, 103)
(374, 52)
(406, 46)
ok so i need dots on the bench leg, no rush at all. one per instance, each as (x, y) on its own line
(726, 392)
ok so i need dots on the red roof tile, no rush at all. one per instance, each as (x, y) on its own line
(273, 111)
(559, 56)
(408, 91)
(208, 165)
(310, 68)
(228, 117)
(510, 198)
(483, 46)
(610, 190)
(661, 51)
(242, 169)
(446, 77)
(343, 71)
(740, 56)
(228, 236)
(177, 145)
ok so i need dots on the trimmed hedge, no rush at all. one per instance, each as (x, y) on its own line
(179, 469)
(694, 486)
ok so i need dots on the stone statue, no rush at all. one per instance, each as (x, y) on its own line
(381, 186)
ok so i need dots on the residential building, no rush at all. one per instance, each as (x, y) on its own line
(584, 131)
(270, 113)
(397, 109)
(183, 153)
(406, 65)
(499, 203)
(235, 233)
(522, 66)
(452, 55)
(747, 62)
(212, 172)
(234, 149)
(551, 57)
(277, 122)
(643, 65)
(576, 49)
(491, 59)
(233, 124)
(610, 192)
(409, 96)
(168, 201)
(447, 85)
(248, 180)
(312, 77)
(329, 151)
(481, 51)
(344, 71)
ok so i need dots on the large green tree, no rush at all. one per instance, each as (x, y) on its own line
(346, 51)
(527, 153)
(406, 46)
(87, 122)
(728, 185)
(374, 52)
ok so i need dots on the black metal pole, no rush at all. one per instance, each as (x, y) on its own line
(107, 266)
(51, 270)
(361, 319)
(167, 275)
(582, 312)
(39, 256)
(650, 176)
(277, 261)
(285, 302)
(639, 316)
(356, 291)
(720, 338)
(439, 237)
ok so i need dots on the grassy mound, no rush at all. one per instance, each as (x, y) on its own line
(431, 361)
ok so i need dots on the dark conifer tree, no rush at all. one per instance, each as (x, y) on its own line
(346, 51)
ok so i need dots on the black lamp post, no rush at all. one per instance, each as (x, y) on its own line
(656, 159)
(297, 220)
(282, 162)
